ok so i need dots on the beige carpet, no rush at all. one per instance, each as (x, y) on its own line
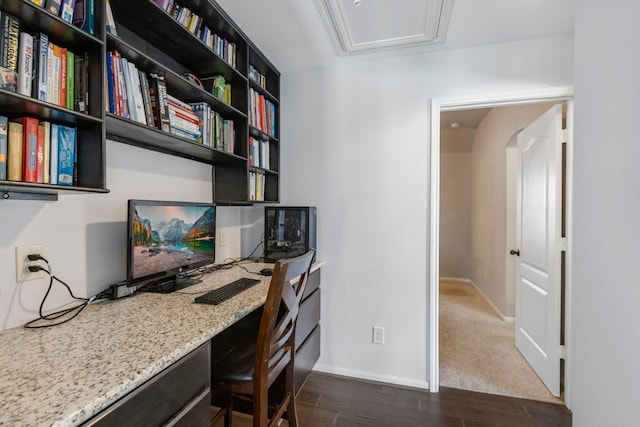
(477, 348)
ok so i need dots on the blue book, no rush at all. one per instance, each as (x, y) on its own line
(84, 15)
(4, 126)
(112, 95)
(66, 10)
(66, 154)
(53, 154)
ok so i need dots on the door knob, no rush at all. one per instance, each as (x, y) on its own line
(515, 252)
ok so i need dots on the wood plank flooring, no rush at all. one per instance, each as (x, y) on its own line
(327, 400)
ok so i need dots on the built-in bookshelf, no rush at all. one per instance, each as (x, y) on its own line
(205, 62)
(87, 120)
(199, 40)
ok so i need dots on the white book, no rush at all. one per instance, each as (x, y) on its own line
(25, 64)
(53, 154)
(50, 79)
(56, 75)
(141, 116)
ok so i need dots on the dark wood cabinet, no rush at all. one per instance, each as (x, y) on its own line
(153, 40)
(90, 126)
(156, 42)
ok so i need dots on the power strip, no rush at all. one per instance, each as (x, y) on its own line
(121, 290)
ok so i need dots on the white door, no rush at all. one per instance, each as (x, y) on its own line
(538, 237)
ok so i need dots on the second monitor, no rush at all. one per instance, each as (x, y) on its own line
(289, 231)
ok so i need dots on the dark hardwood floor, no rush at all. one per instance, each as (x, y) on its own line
(327, 400)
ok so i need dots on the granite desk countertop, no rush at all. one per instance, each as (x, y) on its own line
(64, 375)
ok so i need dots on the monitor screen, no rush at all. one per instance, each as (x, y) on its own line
(166, 239)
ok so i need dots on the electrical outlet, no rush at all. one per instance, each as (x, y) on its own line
(223, 237)
(22, 262)
(378, 335)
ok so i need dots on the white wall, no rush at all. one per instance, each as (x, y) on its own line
(84, 234)
(455, 219)
(356, 144)
(489, 200)
(606, 292)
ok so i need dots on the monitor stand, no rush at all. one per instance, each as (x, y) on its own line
(171, 285)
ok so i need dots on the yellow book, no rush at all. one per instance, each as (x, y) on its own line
(14, 151)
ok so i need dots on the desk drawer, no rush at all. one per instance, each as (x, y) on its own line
(306, 358)
(313, 283)
(308, 317)
(163, 396)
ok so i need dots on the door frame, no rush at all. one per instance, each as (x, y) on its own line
(439, 105)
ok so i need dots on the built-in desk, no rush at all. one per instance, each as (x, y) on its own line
(66, 375)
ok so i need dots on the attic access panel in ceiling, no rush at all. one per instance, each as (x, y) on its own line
(378, 24)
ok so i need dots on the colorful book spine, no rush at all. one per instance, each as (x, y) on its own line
(9, 51)
(70, 79)
(66, 10)
(4, 137)
(53, 6)
(63, 78)
(158, 94)
(40, 154)
(111, 102)
(46, 170)
(25, 64)
(66, 154)
(15, 145)
(30, 149)
(53, 154)
(110, 22)
(84, 15)
(38, 2)
(41, 49)
(144, 86)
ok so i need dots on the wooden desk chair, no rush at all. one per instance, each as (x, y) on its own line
(250, 366)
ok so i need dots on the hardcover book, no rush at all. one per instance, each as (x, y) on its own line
(158, 95)
(70, 79)
(66, 154)
(9, 46)
(14, 152)
(40, 60)
(30, 149)
(53, 154)
(66, 10)
(25, 64)
(38, 2)
(53, 6)
(40, 154)
(4, 136)
(84, 15)
(46, 169)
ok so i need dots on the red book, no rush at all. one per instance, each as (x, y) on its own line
(30, 149)
(63, 77)
(40, 154)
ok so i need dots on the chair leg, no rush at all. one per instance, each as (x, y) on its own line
(228, 416)
(292, 415)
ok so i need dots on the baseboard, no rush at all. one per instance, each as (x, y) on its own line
(486, 298)
(455, 279)
(385, 379)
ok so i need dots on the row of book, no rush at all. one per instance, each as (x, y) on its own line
(262, 113)
(256, 185)
(216, 131)
(259, 153)
(37, 151)
(221, 89)
(257, 77)
(34, 66)
(143, 98)
(193, 22)
(80, 13)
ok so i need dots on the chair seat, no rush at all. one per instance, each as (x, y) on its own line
(238, 363)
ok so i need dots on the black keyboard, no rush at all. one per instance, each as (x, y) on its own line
(227, 291)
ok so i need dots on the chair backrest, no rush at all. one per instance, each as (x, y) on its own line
(276, 336)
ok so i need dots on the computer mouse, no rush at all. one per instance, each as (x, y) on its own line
(266, 271)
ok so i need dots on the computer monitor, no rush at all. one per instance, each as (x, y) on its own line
(166, 240)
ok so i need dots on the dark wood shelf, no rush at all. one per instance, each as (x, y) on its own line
(176, 85)
(133, 133)
(18, 190)
(17, 105)
(258, 134)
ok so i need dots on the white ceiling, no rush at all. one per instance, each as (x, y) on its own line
(293, 34)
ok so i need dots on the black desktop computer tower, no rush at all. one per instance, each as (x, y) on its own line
(288, 231)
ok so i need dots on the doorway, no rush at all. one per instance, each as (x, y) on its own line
(478, 195)
(489, 101)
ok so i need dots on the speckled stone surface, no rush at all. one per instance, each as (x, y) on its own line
(64, 375)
